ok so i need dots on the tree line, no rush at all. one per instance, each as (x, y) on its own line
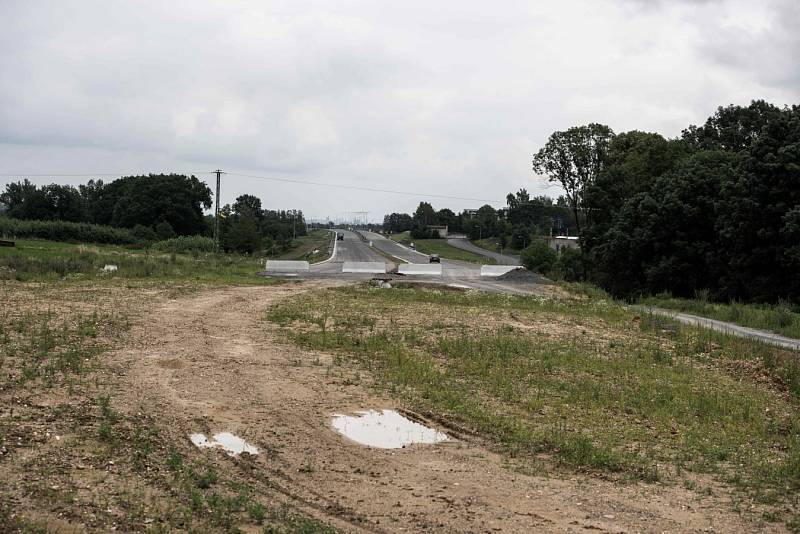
(146, 209)
(524, 219)
(715, 210)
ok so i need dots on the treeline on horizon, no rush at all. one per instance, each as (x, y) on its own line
(145, 210)
(714, 212)
(513, 227)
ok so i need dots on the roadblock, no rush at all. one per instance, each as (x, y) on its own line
(373, 267)
(286, 266)
(429, 269)
(497, 270)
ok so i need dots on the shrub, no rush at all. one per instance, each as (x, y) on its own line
(539, 257)
(570, 265)
(65, 231)
(182, 244)
(144, 234)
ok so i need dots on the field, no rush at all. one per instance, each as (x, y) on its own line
(610, 419)
(583, 385)
(34, 260)
(304, 247)
(781, 318)
(490, 243)
(440, 247)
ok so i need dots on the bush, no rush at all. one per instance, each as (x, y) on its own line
(570, 265)
(182, 244)
(539, 257)
(65, 231)
(144, 234)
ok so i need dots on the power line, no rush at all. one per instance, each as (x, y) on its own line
(361, 188)
(270, 178)
(54, 175)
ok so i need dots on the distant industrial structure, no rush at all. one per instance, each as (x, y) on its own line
(562, 242)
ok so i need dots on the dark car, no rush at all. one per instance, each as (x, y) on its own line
(340, 236)
(434, 258)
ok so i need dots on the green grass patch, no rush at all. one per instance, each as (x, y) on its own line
(303, 248)
(33, 260)
(782, 318)
(493, 244)
(583, 382)
(440, 247)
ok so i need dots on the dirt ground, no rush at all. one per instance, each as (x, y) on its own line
(209, 363)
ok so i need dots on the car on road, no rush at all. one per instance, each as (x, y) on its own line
(434, 258)
(339, 236)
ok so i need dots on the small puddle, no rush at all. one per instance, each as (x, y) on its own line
(232, 444)
(385, 430)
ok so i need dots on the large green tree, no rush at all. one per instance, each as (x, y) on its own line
(573, 158)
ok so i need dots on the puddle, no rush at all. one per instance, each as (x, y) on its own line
(233, 445)
(385, 430)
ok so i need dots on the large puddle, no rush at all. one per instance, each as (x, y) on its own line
(385, 430)
(230, 443)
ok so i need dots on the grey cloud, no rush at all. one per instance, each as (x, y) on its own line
(449, 97)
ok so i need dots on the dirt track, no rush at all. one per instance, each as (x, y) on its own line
(208, 363)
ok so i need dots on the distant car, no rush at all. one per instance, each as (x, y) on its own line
(340, 236)
(434, 258)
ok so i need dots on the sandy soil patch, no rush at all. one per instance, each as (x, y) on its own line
(208, 363)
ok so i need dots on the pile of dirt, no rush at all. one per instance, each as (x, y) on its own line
(523, 275)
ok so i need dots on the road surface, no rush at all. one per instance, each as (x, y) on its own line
(467, 275)
(451, 269)
(352, 248)
(727, 328)
(466, 244)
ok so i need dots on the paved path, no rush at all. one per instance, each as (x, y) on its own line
(728, 328)
(466, 244)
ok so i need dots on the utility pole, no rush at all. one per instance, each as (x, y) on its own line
(216, 214)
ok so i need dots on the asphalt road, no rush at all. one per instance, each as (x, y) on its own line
(352, 248)
(467, 275)
(451, 269)
(466, 244)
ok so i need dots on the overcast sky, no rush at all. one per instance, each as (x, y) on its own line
(446, 97)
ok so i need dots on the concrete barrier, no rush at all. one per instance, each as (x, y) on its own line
(497, 270)
(286, 266)
(430, 269)
(375, 267)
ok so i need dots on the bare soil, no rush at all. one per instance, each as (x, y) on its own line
(208, 363)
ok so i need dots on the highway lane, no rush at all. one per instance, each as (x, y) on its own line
(454, 273)
(352, 248)
(466, 244)
(450, 268)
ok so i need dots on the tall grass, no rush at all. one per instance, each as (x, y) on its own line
(184, 244)
(782, 318)
(64, 231)
(583, 380)
(41, 260)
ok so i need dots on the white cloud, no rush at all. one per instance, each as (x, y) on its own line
(448, 98)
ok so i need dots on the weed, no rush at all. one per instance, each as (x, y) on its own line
(649, 393)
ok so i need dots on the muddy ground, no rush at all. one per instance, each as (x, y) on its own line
(208, 362)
